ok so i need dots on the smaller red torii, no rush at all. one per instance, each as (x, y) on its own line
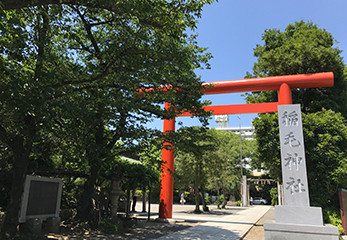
(283, 84)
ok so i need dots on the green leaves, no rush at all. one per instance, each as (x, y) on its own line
(70, 75)
(302, 48)
(217, 153)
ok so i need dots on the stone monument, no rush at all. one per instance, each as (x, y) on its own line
(295, 219)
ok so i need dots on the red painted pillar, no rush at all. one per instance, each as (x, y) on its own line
(167, 168)
(284, 94)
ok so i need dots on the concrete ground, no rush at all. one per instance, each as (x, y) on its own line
(231, 223)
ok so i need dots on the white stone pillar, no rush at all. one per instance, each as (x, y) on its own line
(244, 191)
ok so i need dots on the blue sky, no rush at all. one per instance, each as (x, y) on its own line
(232, 29)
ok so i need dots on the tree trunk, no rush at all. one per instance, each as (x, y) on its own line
(218, 199)
(85, 206)
(21, 152)
(149, 203)
(196, 189)
(144, 199)
(94, 153)
(224, 203)
(204, 205)
(127, 210)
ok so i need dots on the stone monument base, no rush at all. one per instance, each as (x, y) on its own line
(285, 231)
(299, 215)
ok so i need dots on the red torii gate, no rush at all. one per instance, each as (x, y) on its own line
(283, 84)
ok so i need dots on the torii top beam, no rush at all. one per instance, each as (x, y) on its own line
(283, 84)
(325, 79)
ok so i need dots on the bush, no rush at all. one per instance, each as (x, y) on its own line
(332, 216)
(238, 203)
(219, 200)
(221, 197)
(106, 226)
(208, 200)
(274, 196)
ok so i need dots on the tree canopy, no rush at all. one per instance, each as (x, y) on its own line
(301, 49)
(215, 155)
(88, 74)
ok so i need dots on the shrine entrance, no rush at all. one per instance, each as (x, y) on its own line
(283, 84)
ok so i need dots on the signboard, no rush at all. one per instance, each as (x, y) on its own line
(41, 198)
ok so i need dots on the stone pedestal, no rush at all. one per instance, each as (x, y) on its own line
(52, 225)
(299, 215)
(285, 231)
(296, 223)
(32, 227)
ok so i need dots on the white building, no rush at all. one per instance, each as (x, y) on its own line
(246, 132)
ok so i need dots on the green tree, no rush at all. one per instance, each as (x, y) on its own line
(302, 48)
(223, 172)
(58, 59)
(266, 134)
(217, 165)
(224, 169)
(326, 141)
(191, 146)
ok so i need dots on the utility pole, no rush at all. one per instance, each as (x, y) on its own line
(240, 145)
(243, 178)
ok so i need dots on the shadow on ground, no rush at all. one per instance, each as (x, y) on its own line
(202, 232)
(142, 230)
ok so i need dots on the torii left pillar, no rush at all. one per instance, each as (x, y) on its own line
(167, 169)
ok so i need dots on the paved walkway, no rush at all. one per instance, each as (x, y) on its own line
(257, 231)
(231, 223)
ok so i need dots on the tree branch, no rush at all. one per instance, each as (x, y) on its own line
(19, 4)
(118, 132)
(88, 29)
(101, 23)
(42, 39)
(87, 80)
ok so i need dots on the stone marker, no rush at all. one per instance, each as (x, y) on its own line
(295, 219)
(293, 160)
